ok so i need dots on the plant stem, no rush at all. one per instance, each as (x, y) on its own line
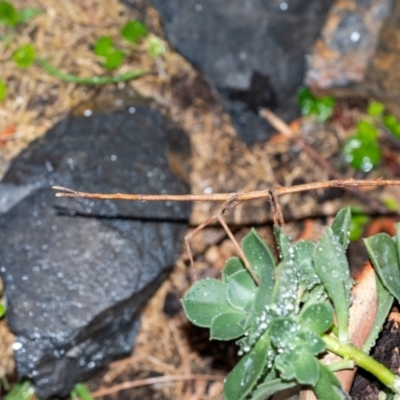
(349, 352)
(93, 80)
(342, 364)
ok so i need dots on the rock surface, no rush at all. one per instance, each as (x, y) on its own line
(252, 52)
(359, 52)
(78, 273)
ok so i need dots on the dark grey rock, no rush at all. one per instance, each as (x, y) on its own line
(252, 51)
(76, 273)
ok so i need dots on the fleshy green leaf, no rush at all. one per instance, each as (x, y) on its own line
(205, 300)
(331, 264)
(133, 31)
(284, 294)
(28, 13)
(259, 257)
(245, 375)
(317, 318)
(240, 289)
(267, 389)
(285, 247)
(341, 226)
(282, 331)
(232, 266)
(24, 55)
(8, 14)
(226, 326)
(2, 310)
(3, 90)
(311, 342)
(385, 301)
(382, 250)
(298, 364)
(303, 259)
(328, 386)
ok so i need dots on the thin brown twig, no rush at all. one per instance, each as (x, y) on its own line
(285, 129)
(228, 197)
(239, 250)
(155, 380)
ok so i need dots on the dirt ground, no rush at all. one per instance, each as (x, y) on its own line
(172, 359)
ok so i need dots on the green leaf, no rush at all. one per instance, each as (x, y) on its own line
(267, 389)
(341, 226)
(3, 90)
(328, 386)
(24, 55)
(298, 364)
(260, 258)
(317, 317)
(385, 301)
(226, 326)
(2, 310)
(233, 265)
(8, 14)
(28, 13)
(375, 109)
(362, 155)
(240, 289)
(204, 300)
(133, 31)
(103, 46)
(392, 124)
(382, 251)
(367, 131)
(83, 393)
(283, 331)
(21, 391)
(284, 295)
(245, 375)
(332, 267)
(114, 59)
(325, 106)
(285, 247)
(155, 47)
(357, 226)
(303, 259)
(310, 341)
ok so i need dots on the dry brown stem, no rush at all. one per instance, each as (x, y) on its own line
(231, 199)
(155, 380)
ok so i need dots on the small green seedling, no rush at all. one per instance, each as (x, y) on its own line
(133, 31)
(362, 150)
(321, 107)
(26, 391)
(2, 310)
(24, 55)
(104, 47)
(10, 17)
(297, 312)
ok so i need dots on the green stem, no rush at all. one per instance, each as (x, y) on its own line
(342, 364)
(363, 360)
(94, 80)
